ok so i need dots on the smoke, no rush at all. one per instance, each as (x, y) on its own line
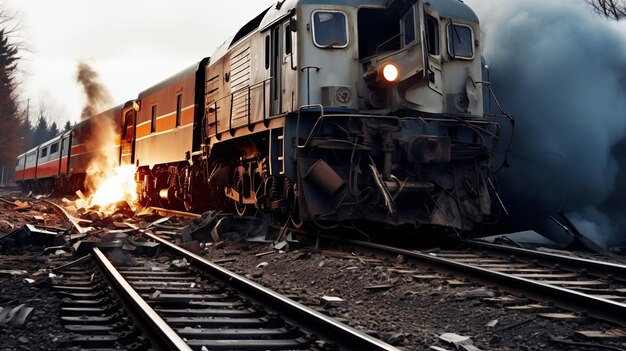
(102, 141)
(561, 70)
(98, 98)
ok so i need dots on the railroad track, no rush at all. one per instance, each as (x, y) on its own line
(152, 304)
(595, 288)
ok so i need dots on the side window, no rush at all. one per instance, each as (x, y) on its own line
(432, 35)
(179, 101)
(43, 153)
(54, 148)
(409, 27)
(288, 41)
(153, 119)
(267, 52)
(460, 41)
(330, 29)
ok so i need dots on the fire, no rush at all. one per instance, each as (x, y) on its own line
(120, 186)
(107, 182)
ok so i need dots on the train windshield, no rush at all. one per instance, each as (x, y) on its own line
(409, 27)
(460, 41)
(330, 29)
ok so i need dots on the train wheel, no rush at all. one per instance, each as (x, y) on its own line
(238, 185)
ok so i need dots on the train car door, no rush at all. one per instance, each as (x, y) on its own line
(129, 123)
(276, 70)
(289, 67)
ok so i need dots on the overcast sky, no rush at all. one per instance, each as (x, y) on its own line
(133, 44)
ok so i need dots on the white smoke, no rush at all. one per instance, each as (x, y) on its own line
(561, 70)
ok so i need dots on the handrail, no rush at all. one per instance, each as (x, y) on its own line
(308, 81)
(298, 146)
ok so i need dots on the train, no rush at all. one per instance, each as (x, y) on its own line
(352, 112)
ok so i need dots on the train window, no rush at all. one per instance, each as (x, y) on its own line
(54, 148)
(460, 41)
(409, 27)
(153, 119)
(179, 99)
(287, 39)
(267, 52)
(330, 29)
(384, 36)
(432, 35)
(43, 153)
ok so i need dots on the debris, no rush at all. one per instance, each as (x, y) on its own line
(476, 294)
(562, 316)
(532, 308)
(83, 247)
(29, 280)
(154, 294)
(12, 272)
(262, 264)
(147, 248)
(215, 235)
(382, 287)
(455, 283)
(437, 348)
(181, 263)
(22, 206)
(426, 277)
(192, 246)
(281, 245)
(611, 334)
(37, 236)
(396, 339)
(492, 323)
(459, 342)
(224, 260)
(81, 195)
(261, 254)
(331, 301)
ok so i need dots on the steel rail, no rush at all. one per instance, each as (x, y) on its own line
(308, 318)
(167, 337)
(599, 268)
(561, 297)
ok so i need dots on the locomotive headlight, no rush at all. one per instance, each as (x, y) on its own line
(390, 72)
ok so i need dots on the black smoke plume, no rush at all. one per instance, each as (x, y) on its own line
(561, 70)
(98, 98)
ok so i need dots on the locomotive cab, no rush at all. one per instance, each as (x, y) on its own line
(429, 64)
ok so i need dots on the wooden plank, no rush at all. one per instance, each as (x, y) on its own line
(457, 283)
(548, 276)
(604, 335)
(427, 277)
(506, 300)
(562, 316)
(536, 308)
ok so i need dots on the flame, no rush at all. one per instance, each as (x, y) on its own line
(107, 182)
(120, 186)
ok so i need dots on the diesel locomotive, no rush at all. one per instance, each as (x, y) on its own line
(320, 111)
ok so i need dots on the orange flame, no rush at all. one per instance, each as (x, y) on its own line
(121, 186)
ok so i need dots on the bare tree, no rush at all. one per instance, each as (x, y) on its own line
(613, 9)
